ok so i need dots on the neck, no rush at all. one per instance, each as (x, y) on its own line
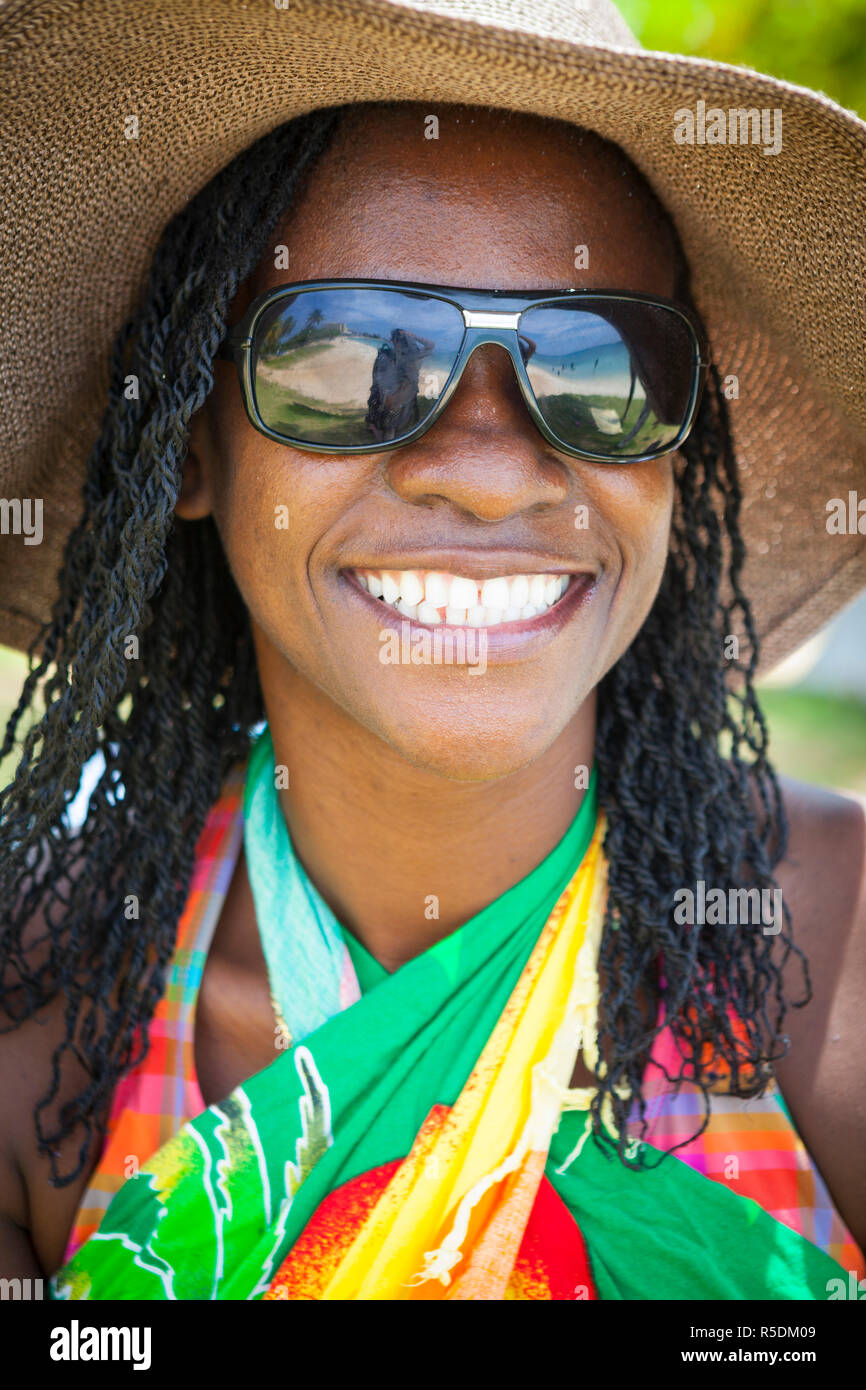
(402, 855)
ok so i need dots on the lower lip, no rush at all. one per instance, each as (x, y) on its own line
(517, 638)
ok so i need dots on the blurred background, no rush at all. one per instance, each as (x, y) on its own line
(819, 45)
(816, 701)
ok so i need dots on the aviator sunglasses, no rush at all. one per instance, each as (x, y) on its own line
(360, 366)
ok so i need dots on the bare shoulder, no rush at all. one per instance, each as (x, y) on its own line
(36, 1216)
(40, 1213)
(823, 1079)
(825, 863)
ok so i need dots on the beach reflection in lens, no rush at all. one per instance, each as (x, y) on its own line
(610, 380)
(346, 367)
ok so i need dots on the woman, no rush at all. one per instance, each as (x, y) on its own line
(410, 992)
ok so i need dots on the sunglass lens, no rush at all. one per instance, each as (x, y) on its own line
(352, 366)
(613, 379)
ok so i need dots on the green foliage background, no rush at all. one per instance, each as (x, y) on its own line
(822, 46)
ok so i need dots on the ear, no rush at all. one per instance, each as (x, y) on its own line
(196, 494)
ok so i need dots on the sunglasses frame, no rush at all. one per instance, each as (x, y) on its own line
(484, 321)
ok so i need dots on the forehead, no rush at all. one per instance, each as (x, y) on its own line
(476, 197)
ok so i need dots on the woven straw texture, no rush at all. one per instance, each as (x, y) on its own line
(777, 243)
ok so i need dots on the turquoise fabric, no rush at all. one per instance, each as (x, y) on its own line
(303, 945)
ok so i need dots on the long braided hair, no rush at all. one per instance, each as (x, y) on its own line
(681, 747)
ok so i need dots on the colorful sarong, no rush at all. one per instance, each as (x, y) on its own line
(422, 1142)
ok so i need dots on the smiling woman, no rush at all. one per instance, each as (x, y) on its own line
(366, 979)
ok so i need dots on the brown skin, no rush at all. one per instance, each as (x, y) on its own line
(411, 781)
(413, 759)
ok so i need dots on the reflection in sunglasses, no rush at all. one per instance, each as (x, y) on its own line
(343, 369)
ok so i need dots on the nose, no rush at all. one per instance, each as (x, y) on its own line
(484, 455)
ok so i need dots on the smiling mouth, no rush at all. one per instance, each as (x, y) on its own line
(432, 597)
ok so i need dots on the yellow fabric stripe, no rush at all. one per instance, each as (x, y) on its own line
(462, 1177)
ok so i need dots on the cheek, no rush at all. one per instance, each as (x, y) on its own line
(634, 506)
(255, 516)
(264, 513)
(280, 513)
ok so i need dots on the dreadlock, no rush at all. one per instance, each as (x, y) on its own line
(681, 807)
(690, 796)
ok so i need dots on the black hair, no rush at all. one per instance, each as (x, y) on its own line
(681, 749)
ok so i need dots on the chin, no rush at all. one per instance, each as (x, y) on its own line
(466, 745)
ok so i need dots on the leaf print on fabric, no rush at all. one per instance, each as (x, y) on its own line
(315, 1108)
(315, 1138)
(206, 1232)
(139, 1204)
(171, 1164)
(191, 1216)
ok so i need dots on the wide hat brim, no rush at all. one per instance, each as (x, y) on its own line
(776, 242)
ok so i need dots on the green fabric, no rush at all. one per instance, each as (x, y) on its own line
(670, 1232)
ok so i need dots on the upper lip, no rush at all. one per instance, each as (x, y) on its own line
(473, 563)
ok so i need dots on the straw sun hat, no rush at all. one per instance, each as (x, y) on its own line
(776, 237)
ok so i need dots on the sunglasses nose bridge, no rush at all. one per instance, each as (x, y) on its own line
(477, 335)
(506, 336)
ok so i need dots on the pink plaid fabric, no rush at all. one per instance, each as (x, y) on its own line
(155, 1099)
(751, 1146)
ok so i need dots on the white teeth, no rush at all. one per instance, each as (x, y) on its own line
(434, 597)
(428, 614)
(462, 593)
(519, 591)
(494, 593)
(537, 586)
(436, 589)
(390, 587)
(411, 587)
